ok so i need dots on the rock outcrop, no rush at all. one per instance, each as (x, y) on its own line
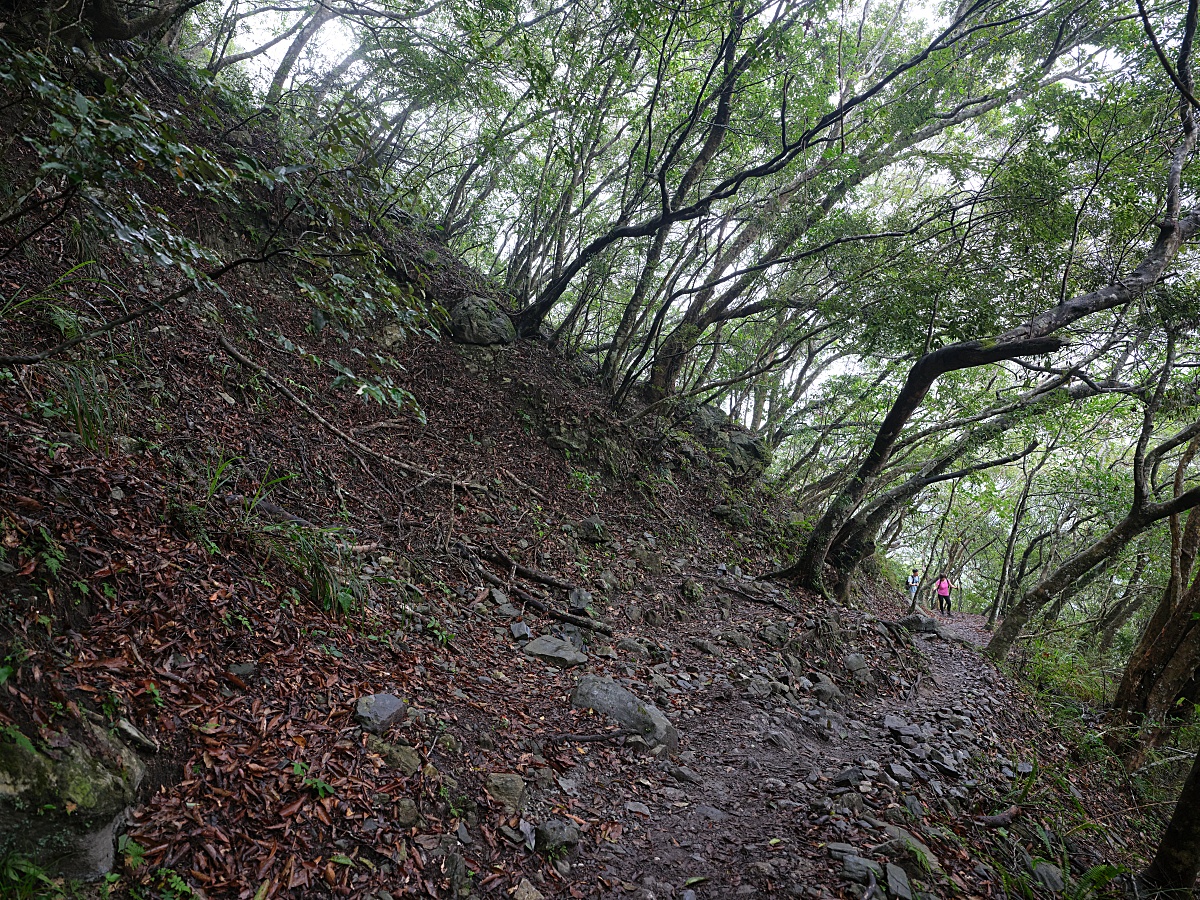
(63, 806)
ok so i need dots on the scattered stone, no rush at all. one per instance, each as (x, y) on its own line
(555, 651)
(855, 868)
(508, 790)
(397, 756)
(608, 698)
(526, 891)
(640, 808)
(556, 835)
(705, 646)
(520, 631)
(841, 851)
(463, 834)
(593, 531)
(477, 320)
(691, 590)
(897, 883)
(379, 712)
(407, 815)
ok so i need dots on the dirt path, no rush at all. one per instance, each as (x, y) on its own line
(771, 775)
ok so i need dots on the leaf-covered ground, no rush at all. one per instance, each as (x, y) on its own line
(163, 576)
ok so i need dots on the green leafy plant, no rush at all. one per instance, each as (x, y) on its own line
(439, 632)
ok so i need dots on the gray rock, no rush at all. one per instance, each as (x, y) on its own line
(398, 756)
(825, 689)
(640, 809)
(608, 698)
(508, 790)
(897, 883)
(477, 320)
(705, 646)
(520, 631)
(855, 868)
(592, 530)
(691, 590)
(840, 851)
(407, 815)
(555, 651)
(1049, 876)
(243, 670)
(379, 712)
(555, 835)
(64, 811)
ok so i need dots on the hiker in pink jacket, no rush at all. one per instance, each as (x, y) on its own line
(943, 589)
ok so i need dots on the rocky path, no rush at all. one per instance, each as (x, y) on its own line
(787, 785)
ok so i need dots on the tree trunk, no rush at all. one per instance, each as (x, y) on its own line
(1177, 860)
(320, 15)
(809, 568)
(1131, 601)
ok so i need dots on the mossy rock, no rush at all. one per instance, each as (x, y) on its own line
(64, 810)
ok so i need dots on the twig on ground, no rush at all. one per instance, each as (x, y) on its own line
(746, 595)
(529, 600)
(589, 738)
(353, 442)
(521, 483)
(1001, 820)
(500, 558)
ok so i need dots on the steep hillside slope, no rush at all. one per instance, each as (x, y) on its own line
(230, 521)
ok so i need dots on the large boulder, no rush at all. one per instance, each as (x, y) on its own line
(478, 320)
(63, 806)
(608, 698)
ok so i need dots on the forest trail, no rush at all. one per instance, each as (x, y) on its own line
(809, 732)
(775, 793)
